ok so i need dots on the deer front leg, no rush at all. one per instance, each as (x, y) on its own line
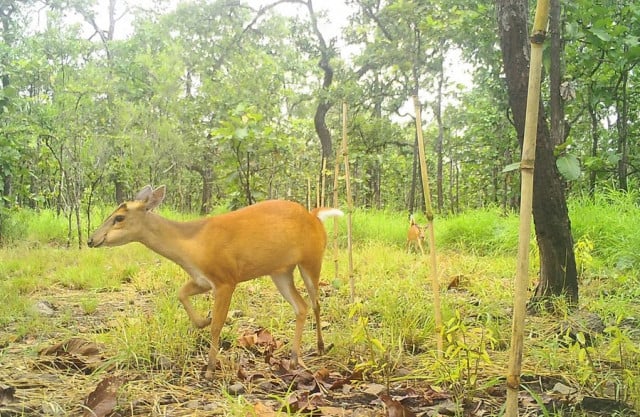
(188, 290)
(220, 309)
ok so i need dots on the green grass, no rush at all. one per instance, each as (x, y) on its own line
(131, 292)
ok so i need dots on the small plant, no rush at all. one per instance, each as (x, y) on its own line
(583, 249)
(376, 361)
(468, 347)
(624, 350)
(89, 305)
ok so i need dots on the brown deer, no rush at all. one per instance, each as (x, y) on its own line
(415, 235)
(269, 238)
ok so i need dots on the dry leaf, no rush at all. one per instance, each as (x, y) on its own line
(335, 412)
(395, 408)
(73, 346)
(454, 283)
(75, 353)
(263, 410)
(7, 394)
(102, 400)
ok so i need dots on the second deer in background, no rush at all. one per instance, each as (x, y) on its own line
(415, 235)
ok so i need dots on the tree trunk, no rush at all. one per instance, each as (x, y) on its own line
(595, 139)
(207, 186)
(556, 70)
(323, 103)
(622, 107)
(558, 275)
(6, 189)
(119, 191)
(414, 177)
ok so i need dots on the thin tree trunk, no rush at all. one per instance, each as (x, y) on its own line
(6, 189)
(558, 275)
(556, 70)
(414, 177)
(622, 107)
(595, 139)
(120, 194)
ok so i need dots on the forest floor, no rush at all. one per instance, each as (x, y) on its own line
(75, 356)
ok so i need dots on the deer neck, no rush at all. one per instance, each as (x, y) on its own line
(170, 238)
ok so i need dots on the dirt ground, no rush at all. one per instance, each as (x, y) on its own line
(49, 373)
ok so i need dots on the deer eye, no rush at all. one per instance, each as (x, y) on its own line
(118, 219)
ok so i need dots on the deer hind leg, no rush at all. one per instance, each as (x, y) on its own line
(311, 276)
(189, 289)
(220, 309)
(284, 282)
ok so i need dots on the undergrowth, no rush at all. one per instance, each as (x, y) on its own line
(387, 332)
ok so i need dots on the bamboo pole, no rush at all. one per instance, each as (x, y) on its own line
(336, 174)
(345, 157)
(435, 285)
(526, 191)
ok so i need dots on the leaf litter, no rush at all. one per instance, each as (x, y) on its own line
(54, 375)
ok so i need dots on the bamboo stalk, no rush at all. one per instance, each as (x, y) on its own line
(526, 191)
(435, 285)
(336, 174)
(345, 157)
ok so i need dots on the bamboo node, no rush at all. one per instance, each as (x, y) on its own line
(527, 164)
(538, 37)
(513, 382)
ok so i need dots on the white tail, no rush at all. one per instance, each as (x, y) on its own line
(268, 238)
(415, 235)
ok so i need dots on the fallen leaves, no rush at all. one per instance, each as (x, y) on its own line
(395, 407)
(265, 376)
(7, 394)
(102, 400)
(75, 354)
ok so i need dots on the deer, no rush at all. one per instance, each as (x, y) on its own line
(415, 235)
(272, 238)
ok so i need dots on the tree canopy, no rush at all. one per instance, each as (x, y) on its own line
(236, 102)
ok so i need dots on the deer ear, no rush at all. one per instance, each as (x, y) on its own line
(143, 194)
(154, 199)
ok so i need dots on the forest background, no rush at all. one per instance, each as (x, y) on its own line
(233, 102)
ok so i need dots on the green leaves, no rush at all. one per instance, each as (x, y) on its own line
(569, 167)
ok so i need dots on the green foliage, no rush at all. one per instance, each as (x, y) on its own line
(569, 167)
(388, 332)
(469, 347)
(615, 238)
(483, 232)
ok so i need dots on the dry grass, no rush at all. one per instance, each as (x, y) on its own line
(123, 299)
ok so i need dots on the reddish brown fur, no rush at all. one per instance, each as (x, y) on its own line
(415, 236)
(269, 238)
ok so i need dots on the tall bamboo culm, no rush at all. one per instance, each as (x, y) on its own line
(347, 176)
(435, 285)
(336, 176)
(526, 191)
